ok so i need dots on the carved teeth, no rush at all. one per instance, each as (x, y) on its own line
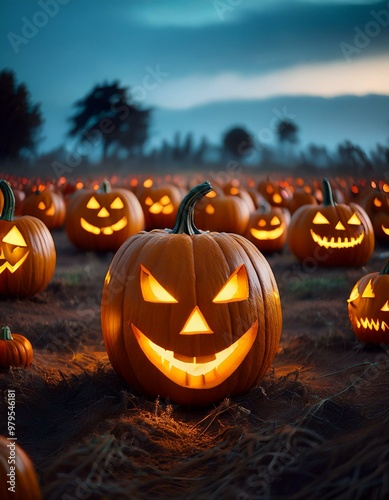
(345, 243)
(372, 324)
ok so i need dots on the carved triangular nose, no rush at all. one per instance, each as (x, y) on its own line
(196, 324)
(339, 225)
(103, 213)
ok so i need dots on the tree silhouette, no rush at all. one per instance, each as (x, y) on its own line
(287, 131)
(236, 141)
(20, 121)
(107, 115)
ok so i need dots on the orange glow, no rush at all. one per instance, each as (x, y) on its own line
(200, 372)
(235, 289)
(196, 324)
(153, 291)
(368, 291)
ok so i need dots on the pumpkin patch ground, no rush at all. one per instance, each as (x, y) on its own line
(315, 427)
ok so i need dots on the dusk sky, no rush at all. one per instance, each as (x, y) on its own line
(177, 55)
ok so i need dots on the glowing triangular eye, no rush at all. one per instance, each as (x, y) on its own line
(354, 294)
(148, 201)
(368, 291)
(14, 237)
(209, 209)
(377, 202)
(385, 307)
(275, 221)
(93, 203)
(117, 203)
(354, 220)
(153, 291)
(236, 288)
(320, 219)
(41, 205)
(165, 200)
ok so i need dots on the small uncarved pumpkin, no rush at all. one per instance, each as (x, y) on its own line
(27, 251)
(15, 349)
(189, 315)
(368, 307)
(25, 483)
(331, 234)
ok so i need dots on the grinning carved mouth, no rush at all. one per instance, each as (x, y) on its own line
(261, 234)
(385, 229)
(201, 372)
(372, 324)
(336, 242)
(10, 267)
(105, 230)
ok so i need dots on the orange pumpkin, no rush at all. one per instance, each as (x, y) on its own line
(102, 220)
(376, 205)
(217, 212)
(46, 205)
(267, 228)
(189, 315)
(18, 477)
(27, 251)
(331, 234)
(368, 307)
(15, 349)
(159, 205)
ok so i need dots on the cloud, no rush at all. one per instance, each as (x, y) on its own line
(360, 77)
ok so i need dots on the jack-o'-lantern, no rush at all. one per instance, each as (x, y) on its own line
(217, 212)
(376, 205)
(234, 188)
(331, 234)
(27, 251)
(368, 307)
(301, 196)
(102, 220)
(267, 228)
(274, 193)
(160, 205)
(21, 481)
(189, 315)
(46, 205)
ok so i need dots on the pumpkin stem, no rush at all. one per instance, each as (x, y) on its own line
(9, 201)
(328, 199)
(185, 215)
(385, 269)
(5, 333)
(105, 186)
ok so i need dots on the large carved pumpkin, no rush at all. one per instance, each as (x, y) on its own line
(331, 234)
(27, 251)
(189, 315)
(102, 220)
(368, 307)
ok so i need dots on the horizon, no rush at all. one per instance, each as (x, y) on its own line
(180, 58)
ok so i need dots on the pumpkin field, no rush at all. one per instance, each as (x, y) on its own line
(241, 353)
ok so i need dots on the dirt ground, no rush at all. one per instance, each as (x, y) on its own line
(316, 427)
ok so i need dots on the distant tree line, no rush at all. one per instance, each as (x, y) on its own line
(108, 121)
